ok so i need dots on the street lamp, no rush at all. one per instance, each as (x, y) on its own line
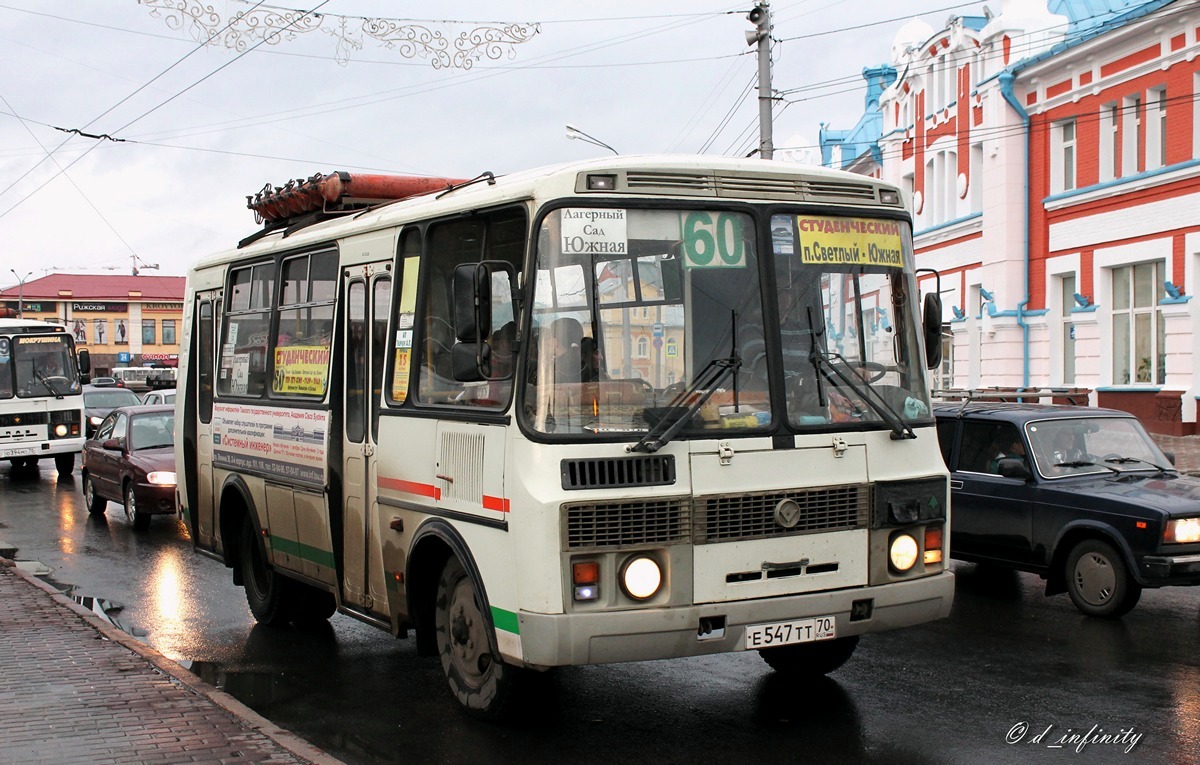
(20, 292)
(575, 134)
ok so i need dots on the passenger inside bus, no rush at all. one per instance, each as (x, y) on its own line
(593, 360)
(566, 334)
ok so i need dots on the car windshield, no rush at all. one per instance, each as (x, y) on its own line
(1084, 445)
(152, 431)
(110, 399)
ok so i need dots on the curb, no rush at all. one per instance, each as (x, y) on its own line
(252, 720)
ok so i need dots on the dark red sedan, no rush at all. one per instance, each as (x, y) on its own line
(131, 459)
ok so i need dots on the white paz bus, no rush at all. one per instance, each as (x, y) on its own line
(41, 401)
(628, 409)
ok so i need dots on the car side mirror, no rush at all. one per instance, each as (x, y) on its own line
(112, 445)
(1014, 467)
(1170, 456)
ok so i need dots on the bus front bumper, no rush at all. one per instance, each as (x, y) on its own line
(549, 640)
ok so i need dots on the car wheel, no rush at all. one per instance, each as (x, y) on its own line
(140, 520)
(1099, 582)
(267, 593)
(483, 684)
(95, 503)
(810, 660)
(65, 464)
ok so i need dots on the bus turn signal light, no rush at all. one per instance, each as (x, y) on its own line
(586, 576)
(933, 545)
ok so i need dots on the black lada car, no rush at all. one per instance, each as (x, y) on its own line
(1080, 495)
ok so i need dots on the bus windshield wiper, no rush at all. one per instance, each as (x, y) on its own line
(824, 363)
(49, 385)
(675, 415)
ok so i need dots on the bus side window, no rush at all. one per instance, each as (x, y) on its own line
(500, 236)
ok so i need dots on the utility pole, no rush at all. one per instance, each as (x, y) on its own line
(761, 17)
(20, 292)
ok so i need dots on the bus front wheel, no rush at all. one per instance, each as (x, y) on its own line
(810, 659)
(267, 593)
(65, 464)
(482, 683)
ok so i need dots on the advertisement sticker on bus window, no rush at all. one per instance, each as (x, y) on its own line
(594, 232)
(713, 240)
(400, 376)
(301, 370)
(233, 332)
(404, 338)
(783, 236)
(289, 444)
(850, 242)
(240, 382)
(406, 320)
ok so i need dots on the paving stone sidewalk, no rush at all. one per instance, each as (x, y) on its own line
(74, 689)
(1186, 449)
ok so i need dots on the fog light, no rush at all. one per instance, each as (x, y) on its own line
(641, 577)
(60, 430)
(161, 478)
(587, 592)
(903, 552)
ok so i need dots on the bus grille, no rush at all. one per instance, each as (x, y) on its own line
(752, 516)
(607, 473)
(752, 186)
(627, 523)
(23, 418)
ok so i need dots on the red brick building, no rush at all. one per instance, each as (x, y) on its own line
(122, 320)
(1052, 155)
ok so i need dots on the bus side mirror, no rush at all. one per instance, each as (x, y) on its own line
(472, 302)
(85, 364)
(932, 321)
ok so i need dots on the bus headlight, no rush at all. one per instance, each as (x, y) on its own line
(902, 552)
(641, 577)
(1182, 531)
(60, 430)
(161, 478)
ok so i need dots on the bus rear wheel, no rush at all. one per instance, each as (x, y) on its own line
(483, 684)
(268, 593)
(809, 660)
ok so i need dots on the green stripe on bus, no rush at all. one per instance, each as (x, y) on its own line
(506, 620)
(304, 552)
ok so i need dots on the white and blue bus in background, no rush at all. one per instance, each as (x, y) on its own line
(41, 401)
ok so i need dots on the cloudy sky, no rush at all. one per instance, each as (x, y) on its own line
(200, 127)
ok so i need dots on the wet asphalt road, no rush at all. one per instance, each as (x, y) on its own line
(1008, 665)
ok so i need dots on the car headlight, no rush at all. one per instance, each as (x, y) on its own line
(641, 577)
(161, 478)
(1182, 531)
(902, 552)
(95, 420)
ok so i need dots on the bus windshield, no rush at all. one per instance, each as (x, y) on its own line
(42, 366)
(848, 321)
(644, 315)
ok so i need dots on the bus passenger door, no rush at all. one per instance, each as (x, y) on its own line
(367, 296)
(198, 388)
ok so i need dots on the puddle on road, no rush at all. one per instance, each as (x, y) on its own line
(257, 690)
(107, 610)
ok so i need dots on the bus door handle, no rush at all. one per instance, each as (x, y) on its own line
(368, 449)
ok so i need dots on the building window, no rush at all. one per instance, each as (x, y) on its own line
(1068, 329)
(1110, 142)
(946, 373)
(975, 187)
(941, 188)
(169, 332)
(149, 332)
(1132, 156)
(643, 348)
(1062, 175)
(1156, 129)
(1139, 353)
